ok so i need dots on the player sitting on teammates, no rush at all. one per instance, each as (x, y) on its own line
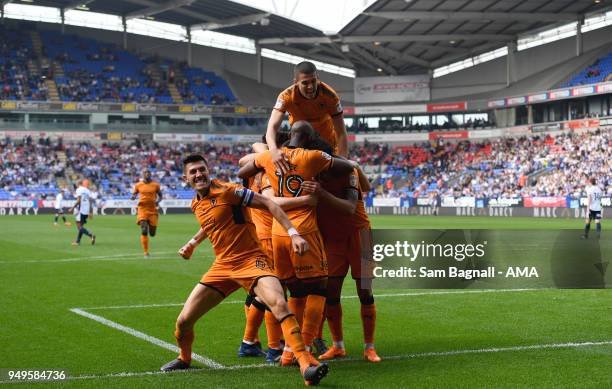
(84, 208)
(59, 209)
(239, 261)
(148, 203)
(305, 276)
(311, 100)
(593, 207)
(346, 232)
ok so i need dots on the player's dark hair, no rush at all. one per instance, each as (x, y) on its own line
(305, 67)
(317, 143)
(194, 158)
(593, 181)
(281, 137)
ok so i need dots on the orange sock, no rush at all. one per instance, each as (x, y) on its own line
(334, 320)
(253, 322)
(368, 320)
(291, 332)
(246, 311)
(320, 333)
(144, 241)
(184, 339)
(274, 331)
(296, 306)
(313, 313)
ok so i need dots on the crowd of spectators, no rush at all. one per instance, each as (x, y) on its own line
(502, 168)
(397, 126)
(16, 82)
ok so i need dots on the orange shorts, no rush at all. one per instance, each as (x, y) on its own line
(354, 250)
(287, 264)
(148, 214)
(228, 276)
(266, 245)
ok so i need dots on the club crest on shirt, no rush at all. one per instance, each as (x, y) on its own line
(260, 263)
(213, 202)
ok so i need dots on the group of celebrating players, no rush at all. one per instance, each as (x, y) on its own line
(293, 229)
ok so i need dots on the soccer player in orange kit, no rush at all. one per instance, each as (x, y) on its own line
(148, 203)
(240, 261)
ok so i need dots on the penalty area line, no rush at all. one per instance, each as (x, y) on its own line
(148, 338)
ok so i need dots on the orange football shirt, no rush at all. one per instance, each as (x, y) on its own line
(262, 218)
(147, 193)
(318, 111)
(227, 223)
(304, 165)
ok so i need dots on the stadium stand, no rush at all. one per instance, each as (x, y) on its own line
(17, 81)
(599, 71)
(87, 70)
(503, 168)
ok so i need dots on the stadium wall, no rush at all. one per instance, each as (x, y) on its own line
(492, 76)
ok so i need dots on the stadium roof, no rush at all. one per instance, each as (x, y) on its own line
(219, 15)
(390, 36)
(413, 36)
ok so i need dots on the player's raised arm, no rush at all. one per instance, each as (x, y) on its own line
(341, 135)
(187, 250)
(276, 119)
(248, 170)
(134, 192)
(246, 159)
(300, 246)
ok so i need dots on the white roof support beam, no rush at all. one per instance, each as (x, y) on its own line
(465, 15)
(76, 4)
(232, 22)
(158, 8)
(387, 38)
(446, 60)
(182, 11)
(404, 57)
(370, 58)
(316, 56)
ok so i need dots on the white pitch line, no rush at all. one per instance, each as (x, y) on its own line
(117, 257)
(442, 292)
(385, 358)
(158, 342)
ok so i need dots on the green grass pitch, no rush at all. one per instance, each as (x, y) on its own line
(535, 338)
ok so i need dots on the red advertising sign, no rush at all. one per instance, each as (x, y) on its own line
(447, 107)
(448, 135)
(349, 110)
(585, 123)
(544, 202)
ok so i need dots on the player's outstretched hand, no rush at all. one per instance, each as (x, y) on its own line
(186, 251)
(311, 187)
(280, 161)
(300, 246)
